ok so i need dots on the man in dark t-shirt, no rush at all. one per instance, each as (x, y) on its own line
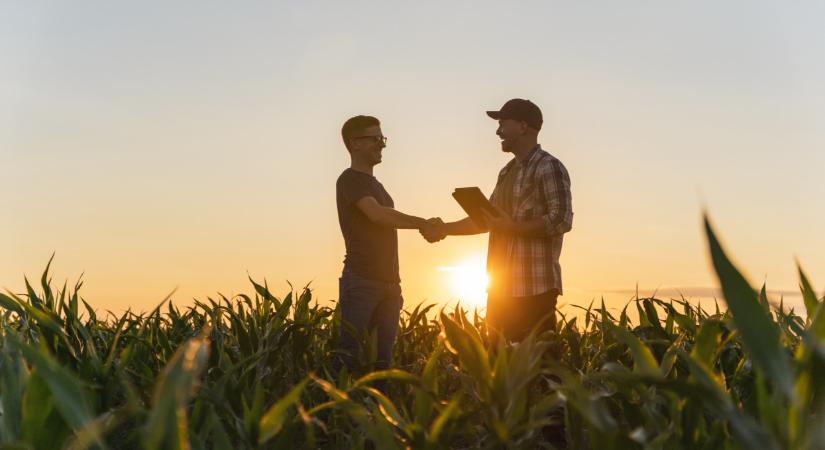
(372, 249)
(370, 288)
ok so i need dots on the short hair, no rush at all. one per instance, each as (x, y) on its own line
(356, 125)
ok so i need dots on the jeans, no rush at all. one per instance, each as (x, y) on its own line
(368, 306)
(515, 317)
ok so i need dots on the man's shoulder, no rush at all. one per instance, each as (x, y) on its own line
(546, 161)
(544, 157)
(352, 176)
(347, 181)
(353, 182)
(547, 166)
(346, 174)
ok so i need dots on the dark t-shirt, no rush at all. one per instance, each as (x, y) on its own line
(372, 249)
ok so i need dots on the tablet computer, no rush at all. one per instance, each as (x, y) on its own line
(473, 202)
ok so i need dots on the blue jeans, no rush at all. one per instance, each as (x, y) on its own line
(515, 317)
(368, 305)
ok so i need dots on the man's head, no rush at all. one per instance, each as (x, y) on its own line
(363, 139)
(519, 122)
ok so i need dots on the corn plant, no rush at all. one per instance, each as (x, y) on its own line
(256, 372)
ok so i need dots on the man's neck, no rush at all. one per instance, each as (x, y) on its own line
(361, 166)
(522, 151)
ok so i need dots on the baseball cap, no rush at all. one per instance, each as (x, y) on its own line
(519, 109)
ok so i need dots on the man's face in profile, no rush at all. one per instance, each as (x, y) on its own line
(510, 131)
(369, 144)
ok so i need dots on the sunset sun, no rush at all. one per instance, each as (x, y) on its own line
(468, 281)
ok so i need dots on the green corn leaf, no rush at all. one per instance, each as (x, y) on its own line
(273, 420)
(167, 425)
(707, 343)
(817, 326)
(685, 323)
(470, 352)
(808, 295)
(591, 409)
(67, 390)
(453, 408)
(10, 304)
(391, 374)
(423, 402)
(652, 315)
(387, 408)
(763, 297)
(261, 290)
(643, 319)
(33, 298)
(38, 412)
(45, 283)
(378, 431)
(643, 359)
(13, 379)
(332, 391)
(759, 333)
(46, 319)
(624, 321)
(326, 405)
(745, 429)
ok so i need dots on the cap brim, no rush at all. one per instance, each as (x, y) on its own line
(494, 114)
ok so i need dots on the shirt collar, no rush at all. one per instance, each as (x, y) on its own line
(515, 161)
(530, 155)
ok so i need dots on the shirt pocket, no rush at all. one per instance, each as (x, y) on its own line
(527, 204)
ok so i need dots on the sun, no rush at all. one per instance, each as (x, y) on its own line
(468, 281)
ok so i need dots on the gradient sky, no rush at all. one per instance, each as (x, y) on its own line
(154, 145)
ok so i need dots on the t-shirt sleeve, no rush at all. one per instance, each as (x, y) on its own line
(353, 189)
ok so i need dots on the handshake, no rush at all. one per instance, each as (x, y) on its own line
(433, 230)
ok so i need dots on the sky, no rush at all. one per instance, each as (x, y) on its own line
(159, 146)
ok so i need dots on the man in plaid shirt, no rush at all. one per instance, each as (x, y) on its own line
(534, 206)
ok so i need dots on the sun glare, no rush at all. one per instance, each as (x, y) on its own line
(468, 281)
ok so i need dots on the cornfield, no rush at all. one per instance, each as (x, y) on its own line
(254, 372)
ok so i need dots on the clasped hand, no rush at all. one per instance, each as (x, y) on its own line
(434, 230)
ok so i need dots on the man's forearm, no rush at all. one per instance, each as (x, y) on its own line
(463, 227)
(529, 228)
(396, 219)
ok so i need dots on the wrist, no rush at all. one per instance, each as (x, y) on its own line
(449, 228)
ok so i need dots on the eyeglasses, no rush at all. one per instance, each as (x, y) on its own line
(376, 139)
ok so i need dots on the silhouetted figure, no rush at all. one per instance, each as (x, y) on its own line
(370, 288)
(534, 202)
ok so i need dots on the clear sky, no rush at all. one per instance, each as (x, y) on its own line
(155, 145)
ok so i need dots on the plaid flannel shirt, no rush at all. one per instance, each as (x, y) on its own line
(530, 265)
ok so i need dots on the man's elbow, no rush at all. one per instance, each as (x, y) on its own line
(557, 227)
(567, 224)
(375, 215)
(379, 219)
(382, 217)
